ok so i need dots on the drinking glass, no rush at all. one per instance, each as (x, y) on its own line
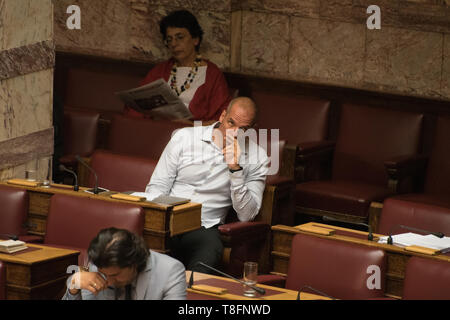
(250, 278)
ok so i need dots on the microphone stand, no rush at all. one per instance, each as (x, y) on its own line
(64, 168)
(96, 189)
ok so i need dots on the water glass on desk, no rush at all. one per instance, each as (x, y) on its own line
(31, 169)
(250, 278)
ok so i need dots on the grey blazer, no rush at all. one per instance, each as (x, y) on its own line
(163, 279)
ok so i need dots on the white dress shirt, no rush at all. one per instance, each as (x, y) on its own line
(193, 166)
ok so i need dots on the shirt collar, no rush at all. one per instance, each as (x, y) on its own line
(208, 132)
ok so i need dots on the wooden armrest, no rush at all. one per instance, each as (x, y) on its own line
(314, 161)
(406, 173)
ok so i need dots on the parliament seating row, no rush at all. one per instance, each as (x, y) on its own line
(72, 222)
(370, 162)
(243, 241)
(357, 272)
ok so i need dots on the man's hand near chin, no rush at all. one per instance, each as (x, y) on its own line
(232, 151)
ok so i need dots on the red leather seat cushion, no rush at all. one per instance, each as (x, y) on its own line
(75, 221)
(414, 211)
(14, 210)
(426, 279)
(336, 268)
(347, 197)
(121, 172)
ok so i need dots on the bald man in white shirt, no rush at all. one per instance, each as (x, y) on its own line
(213, 166)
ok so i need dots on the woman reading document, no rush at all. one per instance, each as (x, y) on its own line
(198, 83)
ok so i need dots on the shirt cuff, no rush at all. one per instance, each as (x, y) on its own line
(237, 179)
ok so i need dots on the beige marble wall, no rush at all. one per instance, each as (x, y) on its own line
(129, 29)
(320, 41)
(26, 85)
(329, 43)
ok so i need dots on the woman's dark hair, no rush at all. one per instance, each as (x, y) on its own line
(182, 19)
(121, 248)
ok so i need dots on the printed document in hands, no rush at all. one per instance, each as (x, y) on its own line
(156, 99)
(411, 239)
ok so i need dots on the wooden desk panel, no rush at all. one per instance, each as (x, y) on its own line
(161, 221)
(283, 294)
(39, 274)
(397, 257)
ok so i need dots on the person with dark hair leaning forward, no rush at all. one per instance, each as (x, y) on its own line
(123, 268)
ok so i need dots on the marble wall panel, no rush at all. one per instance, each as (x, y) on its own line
(405, 61)
(26, 104)
(23, 22)
(104, 27)
(445, 88)
(26, 149)
(424, 16)
(195, 5)
(306, 8)
(26, 59)
(265, 42)
(216, 44)
(327, 51)
(145, 39)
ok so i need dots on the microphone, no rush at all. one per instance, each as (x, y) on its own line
(9, 236)
(257, 289)
(96, 189)
(64, 168)
(369, 236)
(315, 290)
(390, 240)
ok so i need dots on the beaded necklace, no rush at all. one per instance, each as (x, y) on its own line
(190, 78)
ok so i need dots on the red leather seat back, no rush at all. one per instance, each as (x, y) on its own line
(80, 132)
(369, 136)
(426, 279)
(121, 172)
(14, 210)
(2, 281)
(438, 171)
(336, 268)
(413, 214)
(140, 137)
(75, 221)
(300, 119)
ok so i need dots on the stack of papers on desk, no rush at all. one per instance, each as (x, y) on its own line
(414, 239)
(11, 246)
